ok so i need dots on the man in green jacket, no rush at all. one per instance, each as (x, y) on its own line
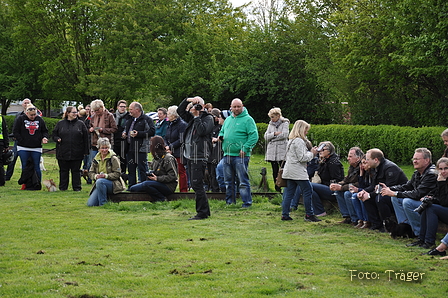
(239, 135)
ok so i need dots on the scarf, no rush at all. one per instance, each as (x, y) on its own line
(119, 116)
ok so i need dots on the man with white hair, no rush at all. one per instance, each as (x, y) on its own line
(196, 148)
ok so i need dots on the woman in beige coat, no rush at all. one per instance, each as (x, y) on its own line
(276, 137)
(300, 151)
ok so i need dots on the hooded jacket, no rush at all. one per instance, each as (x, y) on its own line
(239, 134)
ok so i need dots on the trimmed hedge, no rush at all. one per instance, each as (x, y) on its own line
(398, 143)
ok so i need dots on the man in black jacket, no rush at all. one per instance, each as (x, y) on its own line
(380, 207)
(120, 147)
(406, 197)
(196, 147)
(139, 130)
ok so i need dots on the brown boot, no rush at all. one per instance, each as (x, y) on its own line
(360, 224)
(366, 225)
(346, 220)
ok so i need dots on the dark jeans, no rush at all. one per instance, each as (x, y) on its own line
(10, 167)
(196, 169)
(121, 149)
(378, 209)
(214, 186)
(155, 189)
(65, 168)
(429, 222)
(134, 161)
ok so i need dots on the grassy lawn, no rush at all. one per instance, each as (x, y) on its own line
(52, 245)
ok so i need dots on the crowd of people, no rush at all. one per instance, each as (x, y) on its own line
(192, 139)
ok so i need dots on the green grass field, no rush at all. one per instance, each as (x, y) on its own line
(52, 245)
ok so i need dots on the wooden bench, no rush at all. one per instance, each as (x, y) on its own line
(143, 196)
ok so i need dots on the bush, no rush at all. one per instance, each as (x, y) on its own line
(398, 143)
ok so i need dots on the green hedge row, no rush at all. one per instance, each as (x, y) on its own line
(398, 143)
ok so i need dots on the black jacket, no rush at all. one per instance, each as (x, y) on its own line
(331, 168)
(197, 138)
(121, 126)
(419, 185)
(217, 153)
(173, 135)
(440, 193)
(30, 133)
(145, 131)
(388, 173)
(74, 139)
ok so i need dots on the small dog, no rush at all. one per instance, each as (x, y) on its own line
(398, 230)
(50, 185)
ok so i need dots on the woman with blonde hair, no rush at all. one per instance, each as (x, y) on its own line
(106, 172)
(298, 153)
(30, 132)
(276, 137)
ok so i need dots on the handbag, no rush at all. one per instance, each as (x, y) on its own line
(316, 178)
(280, 182)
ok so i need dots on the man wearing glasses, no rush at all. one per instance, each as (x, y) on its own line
(120, 147)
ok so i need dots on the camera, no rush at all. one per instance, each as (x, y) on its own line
(198, 107)
(150, 173)
(379, 188)
(426, 202)
(321, 147)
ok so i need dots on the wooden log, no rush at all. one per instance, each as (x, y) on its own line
(143, 196)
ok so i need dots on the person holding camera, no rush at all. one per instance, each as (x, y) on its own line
(379, 207)
(162, 180)
(406, 197)
(196, 148)
(433, 207)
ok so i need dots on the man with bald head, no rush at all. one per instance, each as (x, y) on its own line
(239, 135)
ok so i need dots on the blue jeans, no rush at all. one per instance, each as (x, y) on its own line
(321, 192)
(430, 221)
(342, 203)
(404, 210)
(290, 191)
(235, 166)
(137, 163)
(35, 156)
(98, 197)
(445, 240)
(360, 209)
(220, 176)
(155, 189)
(296, 198)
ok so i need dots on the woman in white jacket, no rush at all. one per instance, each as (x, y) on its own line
(276, 137)
(299, 152)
